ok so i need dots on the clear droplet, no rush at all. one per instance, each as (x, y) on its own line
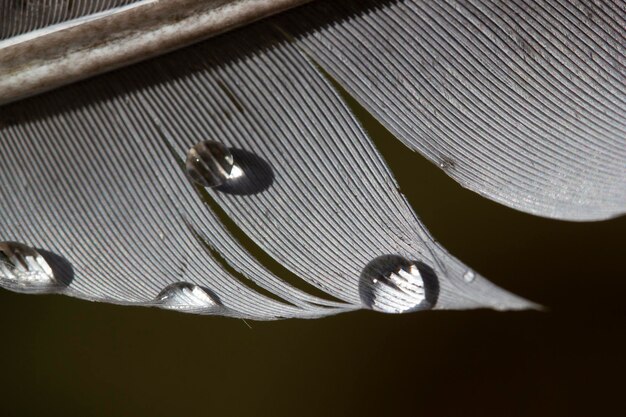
(23, 269)
(210, 164)
(469, 276)
(393, 284)
(185, 296)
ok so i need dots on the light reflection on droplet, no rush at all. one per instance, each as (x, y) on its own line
(469, 276)
(235, 172)
(393, 284)
(23, 269)
(210, 164)
(187, 297)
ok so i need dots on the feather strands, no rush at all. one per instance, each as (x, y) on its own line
(98, 167)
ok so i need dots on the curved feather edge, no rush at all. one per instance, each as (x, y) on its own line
(523, 102)
(93, 175)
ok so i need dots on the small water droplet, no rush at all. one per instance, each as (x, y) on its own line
(23, 269)
(210, 164)
(469, 276)
(446, 163)
(393, 284)
(185, 296)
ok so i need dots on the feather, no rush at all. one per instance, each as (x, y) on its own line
(131, 224)
(523, 102)
(18, 17)
(313, 224)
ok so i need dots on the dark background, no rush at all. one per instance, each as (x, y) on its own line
(61, 356)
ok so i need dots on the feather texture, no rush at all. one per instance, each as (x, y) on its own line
(22, 16)
(313, 223)
(101, 184)
(523, 102)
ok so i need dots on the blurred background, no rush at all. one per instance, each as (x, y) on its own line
(62, 356)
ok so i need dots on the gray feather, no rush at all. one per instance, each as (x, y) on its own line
(97, 179)
(523, 102)
(22, 16)
(94, 174)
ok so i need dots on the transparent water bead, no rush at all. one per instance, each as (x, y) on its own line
(211, 164)
(469, 276)
(185, 296)
(393, 284)
(23, 269)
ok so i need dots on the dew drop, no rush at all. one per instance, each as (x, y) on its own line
(210, 164)
(446, 163)
(23, 269)
(469, 276)
(186, 297)
(392, 284)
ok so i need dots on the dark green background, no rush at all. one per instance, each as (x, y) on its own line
(61, 356)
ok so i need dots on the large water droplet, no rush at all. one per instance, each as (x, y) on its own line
(393, 284)
(187, 297)
(23, 269)
(211, 164)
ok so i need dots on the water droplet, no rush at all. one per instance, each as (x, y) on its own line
(446, 163)
(469, 276)
(393, 284)
(188, 297)
(23, 269)
(210, 164)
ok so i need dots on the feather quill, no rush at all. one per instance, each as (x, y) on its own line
(123, 33)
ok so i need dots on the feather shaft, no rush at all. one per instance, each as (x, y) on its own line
(35, 63)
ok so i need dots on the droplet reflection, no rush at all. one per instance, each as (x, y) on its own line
(210, 164)
(251, 174)
(469, 276)
(23, 269)
(393, 284)
(187, 297)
